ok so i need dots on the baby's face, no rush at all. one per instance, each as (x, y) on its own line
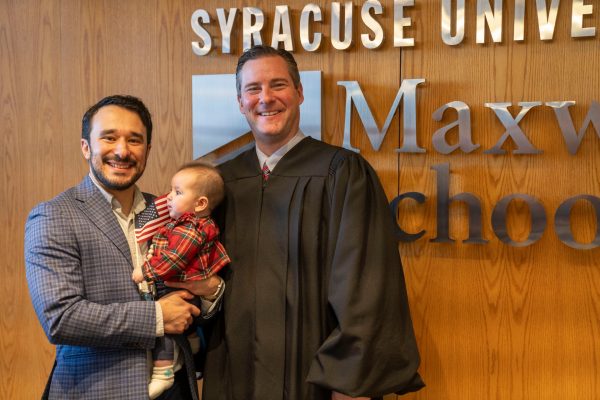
(183, 197)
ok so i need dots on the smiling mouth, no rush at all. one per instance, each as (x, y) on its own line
(120, 164)
(269, 113)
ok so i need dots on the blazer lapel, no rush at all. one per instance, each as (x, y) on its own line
(94, 205)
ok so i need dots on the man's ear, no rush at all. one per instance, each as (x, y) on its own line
(85, 149)
(300, 90)
(201, 204)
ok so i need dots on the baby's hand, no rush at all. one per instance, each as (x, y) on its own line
(150, 252)
(137, 275)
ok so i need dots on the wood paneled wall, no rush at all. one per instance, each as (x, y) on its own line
(492, 321)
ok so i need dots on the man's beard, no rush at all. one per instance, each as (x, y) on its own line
(111, 184)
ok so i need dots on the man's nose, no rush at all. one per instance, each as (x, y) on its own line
(266, 95)
(122, 148)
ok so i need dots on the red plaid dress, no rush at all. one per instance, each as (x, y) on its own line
(186, 249)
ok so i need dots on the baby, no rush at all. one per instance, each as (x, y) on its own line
(185, 248)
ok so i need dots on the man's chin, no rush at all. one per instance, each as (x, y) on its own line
(117, 183)
(271, 135)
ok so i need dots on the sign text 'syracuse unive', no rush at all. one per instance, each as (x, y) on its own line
(342, 22)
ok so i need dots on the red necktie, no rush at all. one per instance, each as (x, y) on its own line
(265, 172)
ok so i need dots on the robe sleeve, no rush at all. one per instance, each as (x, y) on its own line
(372, 349)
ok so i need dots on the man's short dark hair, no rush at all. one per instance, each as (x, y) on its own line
(261, 51)
(130, 103)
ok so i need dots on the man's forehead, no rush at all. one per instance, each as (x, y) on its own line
(266, 64)
(114, 116)
(113, 109)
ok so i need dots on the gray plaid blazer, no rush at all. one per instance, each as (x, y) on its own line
(78, 268)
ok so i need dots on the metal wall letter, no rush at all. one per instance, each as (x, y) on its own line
(579, 10)
(538, 220)
(198, 17)
(304, 27)
(546, 22)
(493, 19)
(335, 25)
(372, 24)
(572, 139)
(513, 130)
(443, 209)
(400, 22)
(464, 129)
(252, 31)
(519, 25)
(562, 222)
(282, 23)
(226, 25)
(447, 22)
(376, 136)
(400, 234)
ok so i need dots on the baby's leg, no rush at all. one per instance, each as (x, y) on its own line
(163, 375)
(194, 340)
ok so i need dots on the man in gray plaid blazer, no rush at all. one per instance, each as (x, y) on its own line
(80, 250)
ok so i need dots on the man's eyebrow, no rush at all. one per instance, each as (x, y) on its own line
(138, 135)
(111, 131)
(250, 84)
(272, 81)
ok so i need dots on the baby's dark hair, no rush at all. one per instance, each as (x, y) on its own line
(208, 181)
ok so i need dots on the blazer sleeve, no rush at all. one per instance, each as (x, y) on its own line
(60, 292)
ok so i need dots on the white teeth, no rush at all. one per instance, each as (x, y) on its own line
(119, 166)
(268, 114)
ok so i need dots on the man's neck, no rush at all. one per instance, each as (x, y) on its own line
(271, 160)
(269, 148)
(125, 198)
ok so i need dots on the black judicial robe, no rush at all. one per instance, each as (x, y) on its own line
(315, 295)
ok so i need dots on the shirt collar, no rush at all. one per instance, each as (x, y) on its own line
(139, 203)
(274, 158)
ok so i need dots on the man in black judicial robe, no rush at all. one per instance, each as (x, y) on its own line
(315, 305)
